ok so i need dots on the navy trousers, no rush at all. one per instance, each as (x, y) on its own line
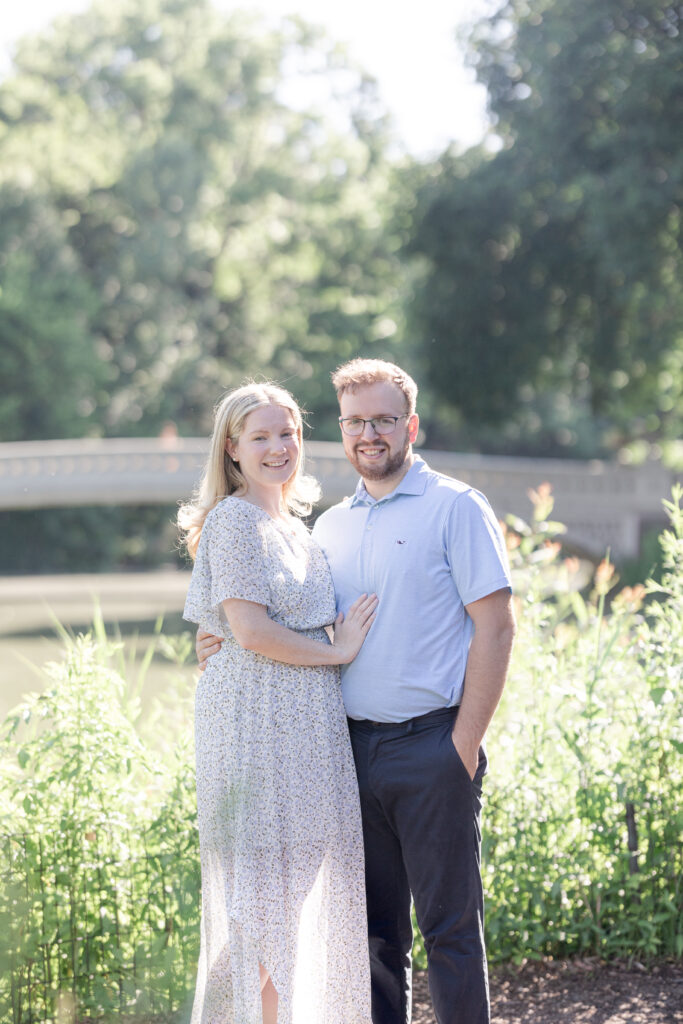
(421, 830)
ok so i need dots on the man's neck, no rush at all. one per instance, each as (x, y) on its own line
(380, 488)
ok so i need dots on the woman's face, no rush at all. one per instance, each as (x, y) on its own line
(267, 449)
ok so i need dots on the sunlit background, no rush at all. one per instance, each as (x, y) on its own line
(195, 193)
(433, 98)
(191, 194)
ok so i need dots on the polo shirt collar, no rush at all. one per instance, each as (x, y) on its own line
(414, 482)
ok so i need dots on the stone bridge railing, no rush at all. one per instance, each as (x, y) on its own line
(603, 504)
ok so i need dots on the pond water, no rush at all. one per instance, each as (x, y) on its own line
(129, 603)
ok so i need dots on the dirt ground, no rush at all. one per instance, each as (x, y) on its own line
(576, 991)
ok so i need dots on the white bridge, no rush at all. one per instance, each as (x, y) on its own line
(603, 504)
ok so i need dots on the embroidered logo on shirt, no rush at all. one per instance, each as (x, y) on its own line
(400, 542)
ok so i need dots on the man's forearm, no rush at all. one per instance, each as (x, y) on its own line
(487, 667)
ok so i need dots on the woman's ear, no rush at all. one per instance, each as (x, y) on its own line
(231, 449)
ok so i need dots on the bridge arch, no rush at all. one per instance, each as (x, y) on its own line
(603, 504)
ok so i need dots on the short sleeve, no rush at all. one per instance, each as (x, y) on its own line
(232, 562)
(237, 554)
(475, 548)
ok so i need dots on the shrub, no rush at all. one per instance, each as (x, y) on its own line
(582, 839)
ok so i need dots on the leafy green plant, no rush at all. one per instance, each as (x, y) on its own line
(582, 842)
(99, 863)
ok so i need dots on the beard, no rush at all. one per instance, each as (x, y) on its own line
(393, 464)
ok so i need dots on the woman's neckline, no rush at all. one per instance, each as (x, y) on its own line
(287, 524)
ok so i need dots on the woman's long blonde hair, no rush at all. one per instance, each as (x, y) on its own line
(222, 476)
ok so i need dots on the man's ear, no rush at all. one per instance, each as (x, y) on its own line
(413, 427)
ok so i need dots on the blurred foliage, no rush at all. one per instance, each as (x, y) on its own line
(550, 304)
(48, 366)
(170, 224)
(91, 538)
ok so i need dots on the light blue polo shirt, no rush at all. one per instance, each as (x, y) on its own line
(427, 549)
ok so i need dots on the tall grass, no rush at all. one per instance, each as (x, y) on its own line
(582, 830)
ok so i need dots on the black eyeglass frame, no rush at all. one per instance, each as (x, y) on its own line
(373, 420)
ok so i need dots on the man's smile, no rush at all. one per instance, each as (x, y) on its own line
(371, 451)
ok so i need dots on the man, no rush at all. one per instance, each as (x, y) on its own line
(421, 692)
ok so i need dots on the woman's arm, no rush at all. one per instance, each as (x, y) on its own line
(255, 631)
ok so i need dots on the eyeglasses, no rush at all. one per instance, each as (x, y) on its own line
(353, 426)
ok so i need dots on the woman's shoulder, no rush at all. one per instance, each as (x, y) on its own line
(235, 508)
(231, 516)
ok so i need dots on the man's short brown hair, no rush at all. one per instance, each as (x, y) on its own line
(359, 372)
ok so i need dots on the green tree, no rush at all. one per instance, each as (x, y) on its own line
(550, 289)
(222, 231)
(46, 307)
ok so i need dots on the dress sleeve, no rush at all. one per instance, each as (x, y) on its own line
(232, 561)
(237, 554)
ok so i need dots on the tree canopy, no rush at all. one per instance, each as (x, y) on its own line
(169, 224)
(551, 300)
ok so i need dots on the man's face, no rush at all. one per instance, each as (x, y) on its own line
(378, 456)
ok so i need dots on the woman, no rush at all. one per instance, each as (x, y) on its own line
(284, 931)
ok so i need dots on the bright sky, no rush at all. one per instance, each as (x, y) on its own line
(409, 48)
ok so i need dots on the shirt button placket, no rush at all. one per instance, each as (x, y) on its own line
(366, 571)
(368, 561)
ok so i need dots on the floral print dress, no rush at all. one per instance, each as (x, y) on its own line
(278, 811)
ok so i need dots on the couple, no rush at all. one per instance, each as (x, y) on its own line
(292, 860)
